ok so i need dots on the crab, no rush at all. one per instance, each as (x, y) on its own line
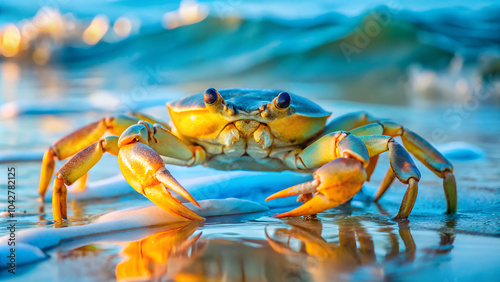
(248, 129)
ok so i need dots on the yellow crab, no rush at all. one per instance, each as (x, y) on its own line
(248, 129)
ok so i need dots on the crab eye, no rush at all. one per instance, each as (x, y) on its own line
(210, 96)
(283, 100)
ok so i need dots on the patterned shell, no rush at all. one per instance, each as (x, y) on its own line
(248, 100)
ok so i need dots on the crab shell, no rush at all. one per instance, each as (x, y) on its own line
(247, 109)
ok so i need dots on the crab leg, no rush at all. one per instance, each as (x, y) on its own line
(436, 162)
(76, 141)
(340, 179)
(386, 182)
(342, 159)
(174, 150)
(148, 119)
(141, 166)
(422, 150)
(81, 138)
(77, 167)
(349, 121)
(402, 167)
(371, 167)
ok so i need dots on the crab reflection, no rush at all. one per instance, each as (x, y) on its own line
(189, 259)
(147, 259)
(354, 247)
(296, 252)
(345, 255)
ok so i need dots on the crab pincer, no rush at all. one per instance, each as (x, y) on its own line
(144, 170)
(334, 183)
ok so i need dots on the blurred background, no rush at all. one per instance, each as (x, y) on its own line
(414, 53)
(433, 66)
(437, 63)
(59, 56)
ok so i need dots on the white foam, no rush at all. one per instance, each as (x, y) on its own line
(31, 242)
(24, 254)
(206, 184)
(461, 150)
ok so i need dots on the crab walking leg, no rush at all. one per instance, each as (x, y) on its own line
(59, 200)
(423, 151)
(384, 185)
(342, 159)
(436, 162)
(81, 138)
(76, 141)
(79, 185)
(77, 167)
(349, 121)
(371, 167)
(402, 166)
(149, 119)
(141, 166)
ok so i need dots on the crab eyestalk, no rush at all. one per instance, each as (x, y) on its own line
(216, 104)
(211, 96)
(282, 101)
(279, 106)
(213, 101)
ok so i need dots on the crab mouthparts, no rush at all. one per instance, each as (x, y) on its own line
(247, 129)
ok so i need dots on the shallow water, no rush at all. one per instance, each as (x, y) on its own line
(425, 70)
(355, 241)
(337, 246)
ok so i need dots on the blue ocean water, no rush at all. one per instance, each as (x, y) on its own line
(339, 47)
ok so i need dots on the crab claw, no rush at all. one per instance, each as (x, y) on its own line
(144, 170)
(334, 183)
